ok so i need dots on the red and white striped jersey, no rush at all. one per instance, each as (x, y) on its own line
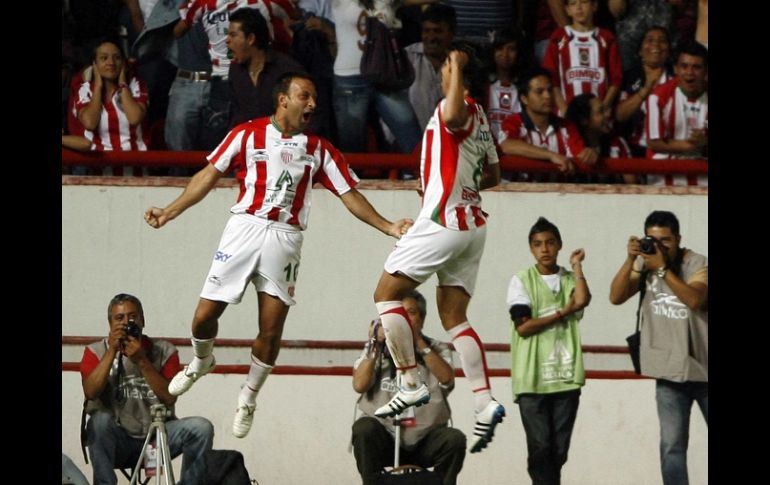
(561, 136)
(500, 100)
(276, 173)
(583, 62)
(671, 115)
(114, 132)
(281, 12)
(215, 16)
(451, 166)
(637, 135)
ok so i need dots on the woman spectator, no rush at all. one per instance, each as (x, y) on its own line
(592, 118)
(108, 108)
(110, 103)
(639, 82)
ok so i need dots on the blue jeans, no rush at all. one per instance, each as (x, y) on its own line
(352, 98)
(675, 401)
(184, 118)
(548, 420)
(110, 446)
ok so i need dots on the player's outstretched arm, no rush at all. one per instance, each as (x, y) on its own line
(360, 207)
(200, 185)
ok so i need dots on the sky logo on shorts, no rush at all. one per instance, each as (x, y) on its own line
(220, 256)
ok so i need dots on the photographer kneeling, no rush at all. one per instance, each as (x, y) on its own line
(123, 375)
(674, 330)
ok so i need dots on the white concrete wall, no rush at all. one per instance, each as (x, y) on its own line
(302, 429)
(302, 425)
(107, 248)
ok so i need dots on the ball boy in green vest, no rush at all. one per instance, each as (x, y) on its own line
(546, 303)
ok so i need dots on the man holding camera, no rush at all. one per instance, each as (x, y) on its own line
(674, 330)
(123, 375)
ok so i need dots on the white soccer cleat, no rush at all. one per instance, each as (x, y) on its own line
(486, 421)
(402, 400)
(244, 416)
(184, 379)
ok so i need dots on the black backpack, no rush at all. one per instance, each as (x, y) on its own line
(225, 467)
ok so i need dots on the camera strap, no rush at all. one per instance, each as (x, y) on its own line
(642, 290)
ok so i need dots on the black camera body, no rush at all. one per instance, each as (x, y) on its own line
(132, 329)
(647, 244)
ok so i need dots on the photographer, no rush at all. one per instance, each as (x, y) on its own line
(123, 375)
(426, 439)
(674, 330)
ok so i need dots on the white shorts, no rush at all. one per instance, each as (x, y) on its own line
(429, 248)
(266, 253)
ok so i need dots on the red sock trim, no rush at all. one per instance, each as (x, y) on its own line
(469, 332)
(401, 311)
(407, 368)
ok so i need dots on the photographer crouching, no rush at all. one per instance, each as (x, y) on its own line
(123, 375)
(674, 330)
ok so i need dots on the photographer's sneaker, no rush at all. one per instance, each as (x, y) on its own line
(486, 421)
(244, 416)
(184, 379)
(402, 400)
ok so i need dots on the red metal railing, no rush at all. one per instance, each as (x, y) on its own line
(387, 161)
(347, 345)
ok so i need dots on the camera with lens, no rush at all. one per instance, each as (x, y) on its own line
(647, 245)
(132, 329)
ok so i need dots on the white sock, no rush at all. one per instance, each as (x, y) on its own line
(400, 341)
(202, 348)
(468, 345)
(258, 372)
(481, 399)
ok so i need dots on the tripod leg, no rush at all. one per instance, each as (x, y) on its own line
(165, 455)
(135, 474)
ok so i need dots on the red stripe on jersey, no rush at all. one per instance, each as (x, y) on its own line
(224, 145)
(450, 144)
(242, 170)
(469, 332)
(97, 141)
(448, 163)
(113, 125)
(273, 214)
(259, 188)
(478, 219)
(299, 197)
(428, 156)
(460, 213)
